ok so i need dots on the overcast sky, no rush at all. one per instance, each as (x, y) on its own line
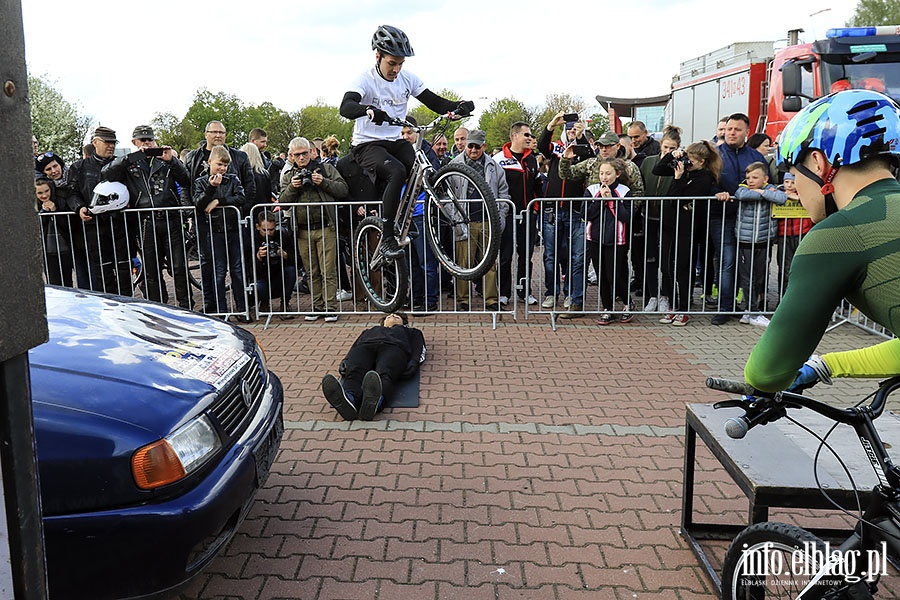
(121, 62)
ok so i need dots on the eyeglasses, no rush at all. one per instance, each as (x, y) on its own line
(474, 146)
(300, 154)
(216, 132)
(46, 155)
(528, 134)
(145, 139)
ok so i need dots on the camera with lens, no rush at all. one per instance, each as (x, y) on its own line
(684, 160)
(273, 250)
(305, 176)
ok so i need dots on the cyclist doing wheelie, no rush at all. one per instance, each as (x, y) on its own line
(841, 149)
(377, 96)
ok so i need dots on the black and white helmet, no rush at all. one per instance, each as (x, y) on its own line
(108, 196)
(390, 40)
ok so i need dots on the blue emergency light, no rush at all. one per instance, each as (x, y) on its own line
(840, 32)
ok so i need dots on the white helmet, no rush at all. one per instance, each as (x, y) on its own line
(108, 195)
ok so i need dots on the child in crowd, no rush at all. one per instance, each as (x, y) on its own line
(608, 220)
(755, 230)
(54, 233)
(790, 231)
(220, 231)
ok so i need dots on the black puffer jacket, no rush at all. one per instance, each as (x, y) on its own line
(197, 166)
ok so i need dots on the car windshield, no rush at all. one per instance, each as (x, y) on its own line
(879, 72)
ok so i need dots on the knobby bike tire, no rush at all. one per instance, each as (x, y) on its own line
(384, 281)
(446, 213)
(751, 571)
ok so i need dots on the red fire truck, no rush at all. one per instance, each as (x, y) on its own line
(771, 86)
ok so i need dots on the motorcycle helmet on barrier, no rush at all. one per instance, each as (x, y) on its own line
(108, 196)
(393, 41)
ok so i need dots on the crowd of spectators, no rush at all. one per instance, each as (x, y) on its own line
(594, 226)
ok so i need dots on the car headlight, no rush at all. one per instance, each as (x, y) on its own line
(175, 456)
(261, 353)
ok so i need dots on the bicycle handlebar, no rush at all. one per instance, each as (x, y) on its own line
(761, 408)
(450, 116)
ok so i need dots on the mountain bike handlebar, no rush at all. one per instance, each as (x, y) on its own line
(761, 408)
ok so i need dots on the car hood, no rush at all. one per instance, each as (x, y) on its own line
(132, 361)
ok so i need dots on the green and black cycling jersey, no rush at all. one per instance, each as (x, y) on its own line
(852, 254)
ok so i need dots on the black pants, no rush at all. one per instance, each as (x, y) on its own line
(162, 242)
(391, 161)
(387, 360)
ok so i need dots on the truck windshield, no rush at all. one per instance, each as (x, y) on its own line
(881, 73)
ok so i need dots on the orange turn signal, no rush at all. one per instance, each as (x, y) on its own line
(156, 465)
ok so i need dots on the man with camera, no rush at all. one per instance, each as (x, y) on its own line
(276, 268)
(104, 236)
(151, 174)
(315, 187)
(562, 227)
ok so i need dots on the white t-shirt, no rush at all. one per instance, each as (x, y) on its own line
(389, 96)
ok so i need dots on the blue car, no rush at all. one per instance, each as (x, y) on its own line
(155, 427)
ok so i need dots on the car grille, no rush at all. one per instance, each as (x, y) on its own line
(232, 407)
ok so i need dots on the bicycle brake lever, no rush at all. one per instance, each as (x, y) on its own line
(733, 403)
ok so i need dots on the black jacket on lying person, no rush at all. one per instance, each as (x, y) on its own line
(395, 353)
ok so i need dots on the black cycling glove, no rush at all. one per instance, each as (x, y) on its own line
(465, 108)
(378, 115)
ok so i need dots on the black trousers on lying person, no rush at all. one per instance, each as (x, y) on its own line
(387, 360)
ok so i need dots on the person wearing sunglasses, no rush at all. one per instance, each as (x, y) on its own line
(520, 166)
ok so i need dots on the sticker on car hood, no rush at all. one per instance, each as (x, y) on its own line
(214, 367)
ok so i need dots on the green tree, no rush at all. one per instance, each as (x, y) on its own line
(556, 103)
(227, 108)
(56, 122)
(875, 12)
(172, 131)
(599, 124)
(499, 117)
(322, 120)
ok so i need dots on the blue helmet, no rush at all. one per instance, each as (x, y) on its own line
(848, 127)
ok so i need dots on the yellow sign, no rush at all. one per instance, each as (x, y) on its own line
(792, 209)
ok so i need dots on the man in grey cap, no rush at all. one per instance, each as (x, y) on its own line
(150, 174)
(469, 250)
(103, 238)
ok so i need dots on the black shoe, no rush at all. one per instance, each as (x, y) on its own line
(720, 319)
(371, 392)
(338, 398)
(492, 307)
(390, 248)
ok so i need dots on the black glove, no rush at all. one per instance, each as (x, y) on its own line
(465, 108)
(378, 116)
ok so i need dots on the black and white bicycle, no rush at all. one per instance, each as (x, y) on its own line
(455, 197)
(810, 570)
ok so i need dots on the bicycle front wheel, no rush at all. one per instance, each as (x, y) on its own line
(775, 561)
(384, 281)
(462, 221)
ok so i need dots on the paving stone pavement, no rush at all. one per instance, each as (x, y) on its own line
(539, 465)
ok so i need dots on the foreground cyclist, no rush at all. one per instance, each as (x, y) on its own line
(379, 95)
(840, 149)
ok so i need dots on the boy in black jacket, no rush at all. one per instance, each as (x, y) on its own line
(379, 357)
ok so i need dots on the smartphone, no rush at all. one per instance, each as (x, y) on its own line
(570, 117)
(154, 151)
(582, 151)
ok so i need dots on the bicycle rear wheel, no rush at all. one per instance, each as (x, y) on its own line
(384, 281)
(775, 561)
(463, 221)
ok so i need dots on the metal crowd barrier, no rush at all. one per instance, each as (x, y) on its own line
(173, 255)
(211, 263)
(649, 248)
